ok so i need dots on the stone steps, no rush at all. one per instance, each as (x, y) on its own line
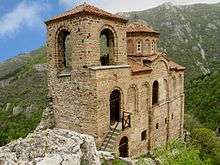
(110, 140)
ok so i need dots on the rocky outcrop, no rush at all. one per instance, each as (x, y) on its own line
(51, 147)
(47, 121)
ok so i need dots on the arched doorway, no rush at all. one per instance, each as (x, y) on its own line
(123, 147)
(115, 106)
(106, 47)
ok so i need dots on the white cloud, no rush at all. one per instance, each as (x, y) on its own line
(130, 5)
(24, 15)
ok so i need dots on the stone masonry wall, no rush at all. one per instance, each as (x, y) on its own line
(80, 94)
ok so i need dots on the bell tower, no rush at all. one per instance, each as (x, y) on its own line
(78, 40)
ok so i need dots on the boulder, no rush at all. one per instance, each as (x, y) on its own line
(51, 147)
(17, 110)
(8, 106)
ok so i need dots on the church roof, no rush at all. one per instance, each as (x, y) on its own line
(175, 66)
(137, 67)
(88, 9)
(140, 27)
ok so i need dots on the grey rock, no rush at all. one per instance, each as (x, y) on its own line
(40, 67)
(17, 110)
(51, 146)
(8, 106)
(106, 155)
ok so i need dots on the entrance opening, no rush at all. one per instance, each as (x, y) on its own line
(123, 147)
(106, 47)
(115, 101)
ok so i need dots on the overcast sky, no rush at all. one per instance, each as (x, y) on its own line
(22, 26)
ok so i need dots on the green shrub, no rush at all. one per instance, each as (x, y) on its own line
(208, 143)
(179, 153)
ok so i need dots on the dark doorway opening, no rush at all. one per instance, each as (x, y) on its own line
(123, 147)
(115, 101)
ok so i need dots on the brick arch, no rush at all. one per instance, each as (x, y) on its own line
(113, 46)
(145, 96)
(122, 95)
(60, 56)
(162, 61)
(132, 98)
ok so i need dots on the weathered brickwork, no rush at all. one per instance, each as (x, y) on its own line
(80, 91)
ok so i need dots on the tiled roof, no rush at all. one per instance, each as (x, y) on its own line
(175, 66)
(88, 9)
(137, 67)
(139, 27)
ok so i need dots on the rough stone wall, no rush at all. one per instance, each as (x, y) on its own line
(73, 90)
(80, 94)
(145, 116)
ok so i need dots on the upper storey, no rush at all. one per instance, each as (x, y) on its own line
(141, 40)
(86, 36)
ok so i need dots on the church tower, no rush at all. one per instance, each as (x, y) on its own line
(75, 50)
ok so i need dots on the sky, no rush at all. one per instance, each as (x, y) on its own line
(22, 26)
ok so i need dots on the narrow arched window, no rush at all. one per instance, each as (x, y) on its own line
(107, 47)
(153, 46)
(64, 49)
(139, 47)
(155, 93)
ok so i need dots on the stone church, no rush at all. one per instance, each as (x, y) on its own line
(107, 79)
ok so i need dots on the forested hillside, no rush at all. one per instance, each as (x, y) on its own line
(189, 34)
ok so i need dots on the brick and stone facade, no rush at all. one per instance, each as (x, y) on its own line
(139, 91)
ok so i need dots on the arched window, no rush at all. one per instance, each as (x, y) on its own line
(64, 49)
(139, 47)
(155, 93)
(130, 46)
(106, 47)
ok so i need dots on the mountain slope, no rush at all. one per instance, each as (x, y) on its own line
(23, 98)
(189, 34)
(203, 99)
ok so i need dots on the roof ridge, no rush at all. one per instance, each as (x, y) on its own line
(89, 9)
